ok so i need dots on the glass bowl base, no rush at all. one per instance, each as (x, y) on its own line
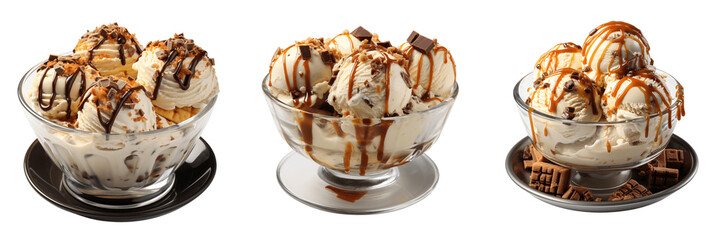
(335, 191)
(119, 199)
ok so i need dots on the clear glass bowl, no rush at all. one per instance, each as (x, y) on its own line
(356, 154)
(599, 148)
(117, 171)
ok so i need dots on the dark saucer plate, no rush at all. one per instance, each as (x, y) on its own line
(515, 170)
(191, 179)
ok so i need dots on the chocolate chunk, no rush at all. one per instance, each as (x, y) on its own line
(385, 44)
(528, 164)
(575, 75)
(412, 37)
(550, 178)
(52, 57)
(579, 194)
(212, 61)
(587, 69)
(661, 178)
(368, 102)
(304, 51)
(546, 85)
(59, 71)
(423, 44)
(527, 153)
(593, 31)
(538, 66)
(569, 85)
(103, 33)
(569, 113)
(674, 158)
(104, 83)
(537, 83)
(327, 57)
(111, 93)
(536, 155)
(630, 190)
(362, 34)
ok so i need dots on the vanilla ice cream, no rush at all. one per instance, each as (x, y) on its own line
(116, 105)
(179, 76)
(347, 42)
(371, 83)
(110, 49)
(58, 86)
(614, 48)
(432, 71)
(300, 74)
(562, 55)
(567, 93)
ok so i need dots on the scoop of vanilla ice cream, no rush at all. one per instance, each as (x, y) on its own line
(300, 74)
(643, 94)
(432, 72)
(58, 86)
(562, 55)
(615, 48)
(567, 93)
(177, 73)
(116, 105)
(110, 49)
(347, 42)
(371, 83)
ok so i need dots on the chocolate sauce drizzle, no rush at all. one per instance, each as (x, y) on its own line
(120, 40)
(184, 83)
(68, 85)
(107, 126)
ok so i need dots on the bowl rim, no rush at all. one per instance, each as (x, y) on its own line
(48, 122)
(447, 101)
(522, 104)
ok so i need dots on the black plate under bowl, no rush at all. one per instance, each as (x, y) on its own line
(191, 179)
(515, 170)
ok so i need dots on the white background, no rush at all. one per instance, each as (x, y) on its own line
(494, 45)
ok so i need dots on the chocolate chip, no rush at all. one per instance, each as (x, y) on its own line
(570, 109)
(412, 37)
(575, 75)
(368, 102)
(569, 86)
(537, 83)
(362, 34)
(103, 33)
(120, 84)
(538, 66)
(569, 115)
(593, 31)
(545, 85)
(304, 51)
(587, 90)
(587, 69)
(423, 44)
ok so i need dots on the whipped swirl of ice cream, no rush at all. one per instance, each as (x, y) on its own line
(116, 105)
(178, 74)
(110, 49)
(58, 86)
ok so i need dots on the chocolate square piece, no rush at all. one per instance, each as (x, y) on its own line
(412, 37)
(422, 44)
(304, 51)
(550, 178)
(537, 155)
(659, 161)
(674, 158)
(630, 190)
(579, 193)
(327, 57)
(528, 164)
(662, 178)
(362, 34)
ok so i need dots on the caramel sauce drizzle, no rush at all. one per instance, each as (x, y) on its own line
(552, 56)
(346, 34)
(347, 195)
(446, 56)
(603, 32)
(648, 91)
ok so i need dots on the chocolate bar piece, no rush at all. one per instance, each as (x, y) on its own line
(528, 164)
(304, 51)
(580, 194)
(659, 161)
(362, 34)
(537, 155)
(550, 178)
(630, 190)
(674, 158)
(662, 178)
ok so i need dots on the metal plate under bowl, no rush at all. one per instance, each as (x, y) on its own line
(515, 170)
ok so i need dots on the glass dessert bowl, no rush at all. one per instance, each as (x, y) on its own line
(116, 171)
(363, 165)
(600, 153)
